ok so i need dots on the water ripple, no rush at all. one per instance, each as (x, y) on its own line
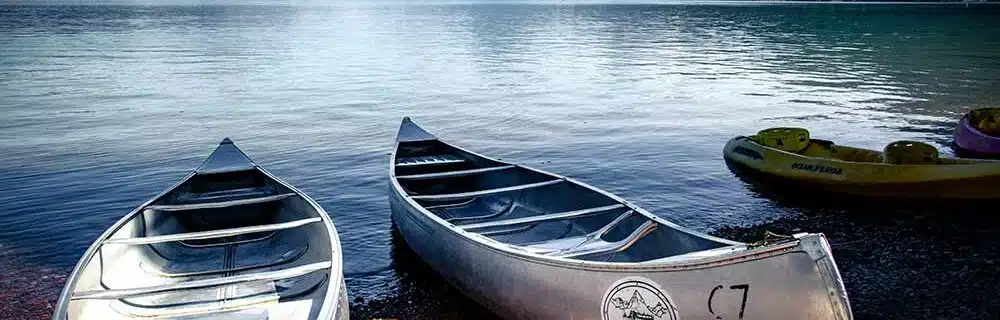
(106, 106)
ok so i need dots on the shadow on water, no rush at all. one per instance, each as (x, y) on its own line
(422, 293)
(894, 254)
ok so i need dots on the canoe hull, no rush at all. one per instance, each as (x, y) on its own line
(966, 181)
(970, 140)
(522, 287)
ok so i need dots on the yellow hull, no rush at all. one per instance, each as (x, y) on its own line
(830, 169)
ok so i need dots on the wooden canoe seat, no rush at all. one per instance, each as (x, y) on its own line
(462, 195)
(211, 234)
(451, 174)
(219, 204)
(428, 160)
(276, 275)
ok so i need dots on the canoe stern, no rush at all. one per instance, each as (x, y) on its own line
(819, 250)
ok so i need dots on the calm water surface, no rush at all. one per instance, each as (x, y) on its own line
(103, 107)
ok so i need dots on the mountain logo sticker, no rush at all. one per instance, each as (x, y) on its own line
(637, 298)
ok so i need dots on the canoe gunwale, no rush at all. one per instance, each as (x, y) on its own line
(332, 298)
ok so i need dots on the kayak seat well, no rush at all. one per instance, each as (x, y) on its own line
(793, 140)
(911, 152)
(828, 150)
(986, 120)
(797, 140)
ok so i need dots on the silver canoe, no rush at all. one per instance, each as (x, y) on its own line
(229, 241)
(529, 244)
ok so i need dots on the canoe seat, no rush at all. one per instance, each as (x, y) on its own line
(910, 152)
(224, 195)
(542, 218)
(211, 234)
(452, 174)
(471, 194)
(428, 160)
(220, 204)
(196, 265)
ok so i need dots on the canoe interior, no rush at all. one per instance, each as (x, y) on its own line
(531, 210)
(206, 203)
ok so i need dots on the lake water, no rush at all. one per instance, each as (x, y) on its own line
(105, 106)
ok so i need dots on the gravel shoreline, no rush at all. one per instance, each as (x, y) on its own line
(897, 262)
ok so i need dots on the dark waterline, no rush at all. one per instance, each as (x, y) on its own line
(105, 106)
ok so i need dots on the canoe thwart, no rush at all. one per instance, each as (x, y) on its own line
(213, 233)
(428, 160)
(206, 283)
(220, 204)
(451, 205)
(455, 196)
(451, 174)
(542, 218)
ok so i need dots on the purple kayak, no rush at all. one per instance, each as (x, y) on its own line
(979, 132)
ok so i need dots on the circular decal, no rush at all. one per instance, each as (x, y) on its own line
(636, 298)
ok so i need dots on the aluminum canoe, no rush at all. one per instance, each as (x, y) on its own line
(529, 244)
(230, 241)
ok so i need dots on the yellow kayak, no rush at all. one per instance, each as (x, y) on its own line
(904, 169)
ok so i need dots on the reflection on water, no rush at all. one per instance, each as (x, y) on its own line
(104, 106)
